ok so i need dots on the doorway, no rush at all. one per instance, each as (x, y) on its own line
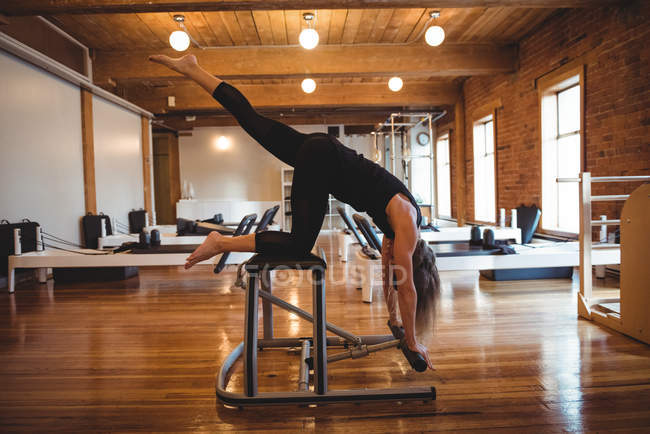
(166, 175)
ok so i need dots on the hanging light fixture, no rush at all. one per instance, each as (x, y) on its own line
(308, 85)
(395, 84)
(179, 40)
(308, 37)
(435, 34)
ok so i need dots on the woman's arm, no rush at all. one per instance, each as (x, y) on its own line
(390, 295)
(406, 236)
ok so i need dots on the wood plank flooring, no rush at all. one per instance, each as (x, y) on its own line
(142, 355)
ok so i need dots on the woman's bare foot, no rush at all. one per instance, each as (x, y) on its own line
(183, 64)
(212, 246)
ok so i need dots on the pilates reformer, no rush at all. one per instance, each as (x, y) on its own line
(259, 270)
(456, 257)
(139, 254)
(371, 252)
(169, 236)
(192, 227)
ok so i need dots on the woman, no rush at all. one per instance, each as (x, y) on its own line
(323, 166)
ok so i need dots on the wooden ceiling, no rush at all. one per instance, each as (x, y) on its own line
(150, 31)
(253, 44)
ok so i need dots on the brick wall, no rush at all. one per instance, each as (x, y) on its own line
(616, 44)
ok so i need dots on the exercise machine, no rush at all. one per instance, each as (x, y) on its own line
(347, 345)
(627, 314)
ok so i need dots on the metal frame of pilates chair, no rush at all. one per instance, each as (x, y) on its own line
(259, 268)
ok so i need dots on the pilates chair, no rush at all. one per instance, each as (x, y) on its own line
(259, 269)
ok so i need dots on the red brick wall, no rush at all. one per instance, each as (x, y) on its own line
(617, 103)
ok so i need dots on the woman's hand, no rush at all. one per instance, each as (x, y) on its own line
(209, 248)
(423, 351)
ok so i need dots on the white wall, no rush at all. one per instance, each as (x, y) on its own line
(41, 166)
(363, 144)
(244, 171)
(118, 160)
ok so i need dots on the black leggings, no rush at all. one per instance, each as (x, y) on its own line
(309, 154)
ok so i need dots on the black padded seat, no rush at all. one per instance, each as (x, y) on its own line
(271, 262)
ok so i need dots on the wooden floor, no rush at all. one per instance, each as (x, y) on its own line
(142, 355)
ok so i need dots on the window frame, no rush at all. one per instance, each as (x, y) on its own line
(554, 83)
(445, 134)
(484, 118)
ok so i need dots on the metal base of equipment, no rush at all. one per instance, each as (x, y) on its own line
(306, 397)
(316, 392)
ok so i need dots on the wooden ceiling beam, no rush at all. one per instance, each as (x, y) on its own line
(51, 7)
(407, 60)
(371, 116)
(191, 98)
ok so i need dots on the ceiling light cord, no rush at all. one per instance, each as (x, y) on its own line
(181, 24)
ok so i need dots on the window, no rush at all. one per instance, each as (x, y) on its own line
(421, 166)
(443, 173)
(484, 173)
(421, 182)
(561, 150)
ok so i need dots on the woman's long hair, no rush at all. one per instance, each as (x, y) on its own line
(427, 286)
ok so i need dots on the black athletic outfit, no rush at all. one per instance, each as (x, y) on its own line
(322, 166)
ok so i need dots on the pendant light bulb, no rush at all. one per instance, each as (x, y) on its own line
(308, 85)
(434, 36)
(308, 38)
(179, 40)
(395, 84)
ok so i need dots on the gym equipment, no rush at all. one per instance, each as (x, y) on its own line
(95, 226)
(137, 221)
(475, 237)
(191, 227)
(145, 240)
(627, 314)
(217, 219)
(266, 219)
(366, 254)
(345, 240)
(259, 268)
(243, 229)
(10, 244)
(528, 221)
(155, 237)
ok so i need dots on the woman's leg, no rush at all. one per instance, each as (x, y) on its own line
(308, 207)
(308, 203)
(280, 140)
